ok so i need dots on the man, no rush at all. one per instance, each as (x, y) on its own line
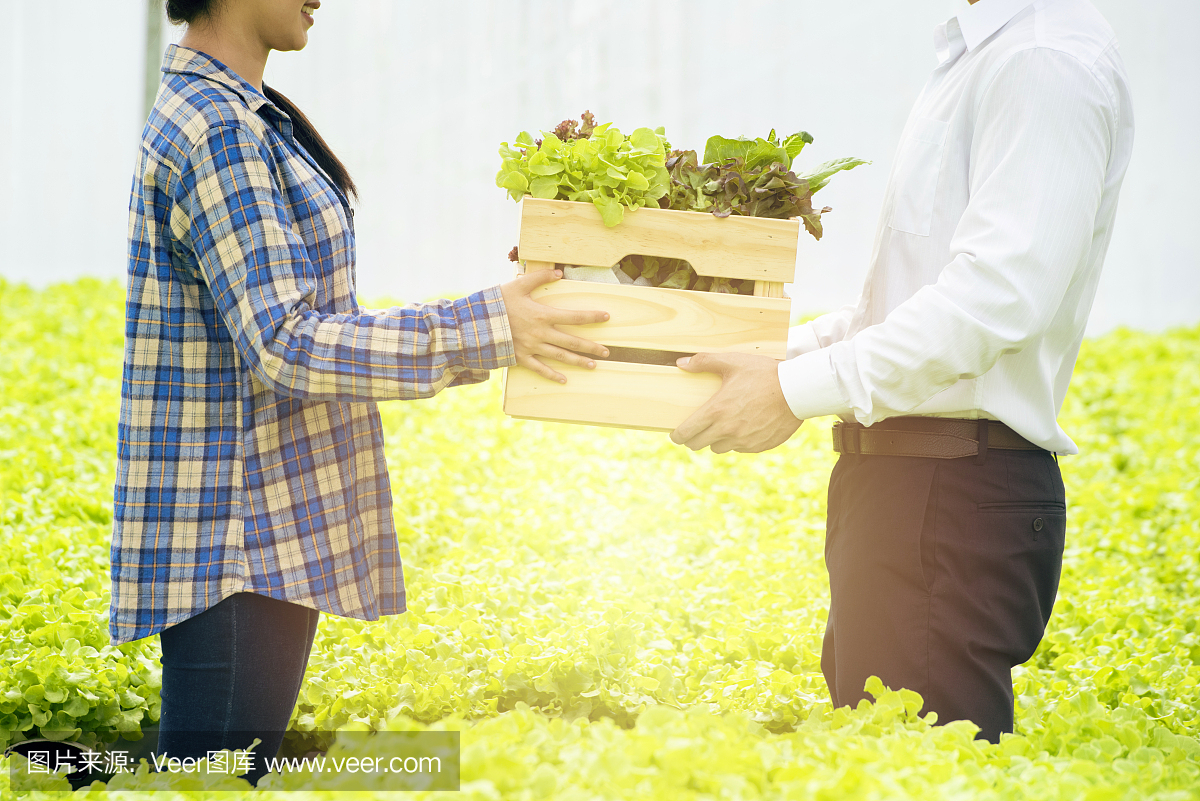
(946, 511)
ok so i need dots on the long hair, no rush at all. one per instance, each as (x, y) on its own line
(188, 11)
(306, 134)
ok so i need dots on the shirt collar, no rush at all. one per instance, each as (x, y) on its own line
(971, 26)
(186, 61)
(948, 41)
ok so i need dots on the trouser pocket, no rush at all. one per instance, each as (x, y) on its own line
(1023, 545)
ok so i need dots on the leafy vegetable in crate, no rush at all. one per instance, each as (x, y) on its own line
(593, 163)
(596, 163)
(751, 177)
(583, 161)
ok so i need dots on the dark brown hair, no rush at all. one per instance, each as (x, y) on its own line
(188, 11)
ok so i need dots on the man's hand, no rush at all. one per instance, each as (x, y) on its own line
(748, 414)
(533, 327)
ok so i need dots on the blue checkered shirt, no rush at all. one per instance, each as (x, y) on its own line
(250, 453)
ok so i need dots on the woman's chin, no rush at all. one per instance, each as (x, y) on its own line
(295, 42)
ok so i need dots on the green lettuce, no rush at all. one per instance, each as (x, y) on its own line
(752, 178)
(756, 153)
(590, 163)
(821, 175)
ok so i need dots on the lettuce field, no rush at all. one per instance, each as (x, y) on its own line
(605, 615)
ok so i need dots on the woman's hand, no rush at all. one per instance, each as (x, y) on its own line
(534, 332)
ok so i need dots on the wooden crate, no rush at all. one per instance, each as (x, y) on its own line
(647, 396)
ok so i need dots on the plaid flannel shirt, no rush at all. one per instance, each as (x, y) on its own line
(250, 452)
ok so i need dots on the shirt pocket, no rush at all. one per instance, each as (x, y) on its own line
(917, 169)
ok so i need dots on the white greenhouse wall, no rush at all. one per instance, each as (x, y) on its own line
(416, 97)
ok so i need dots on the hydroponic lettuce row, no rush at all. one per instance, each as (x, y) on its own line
(583, 161)
(651, 632)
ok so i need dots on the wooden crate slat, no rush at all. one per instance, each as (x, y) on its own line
(675, 319)
(566, 232)
(643, 396)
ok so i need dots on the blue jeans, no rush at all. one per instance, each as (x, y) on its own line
(233, 673)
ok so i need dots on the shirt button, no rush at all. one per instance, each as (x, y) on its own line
(1038, 524)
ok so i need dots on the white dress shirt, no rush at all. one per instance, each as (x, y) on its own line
(995, 223)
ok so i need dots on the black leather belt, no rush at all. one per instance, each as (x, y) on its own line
(930, 437)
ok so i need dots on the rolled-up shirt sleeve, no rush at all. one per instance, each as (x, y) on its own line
(1038, 159)
(230, 214)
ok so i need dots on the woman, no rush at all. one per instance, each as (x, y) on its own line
(251, 488)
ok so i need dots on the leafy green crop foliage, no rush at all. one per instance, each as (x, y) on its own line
(60, 361)
(605, 615)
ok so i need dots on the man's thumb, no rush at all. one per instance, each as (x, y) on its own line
(703, 363)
